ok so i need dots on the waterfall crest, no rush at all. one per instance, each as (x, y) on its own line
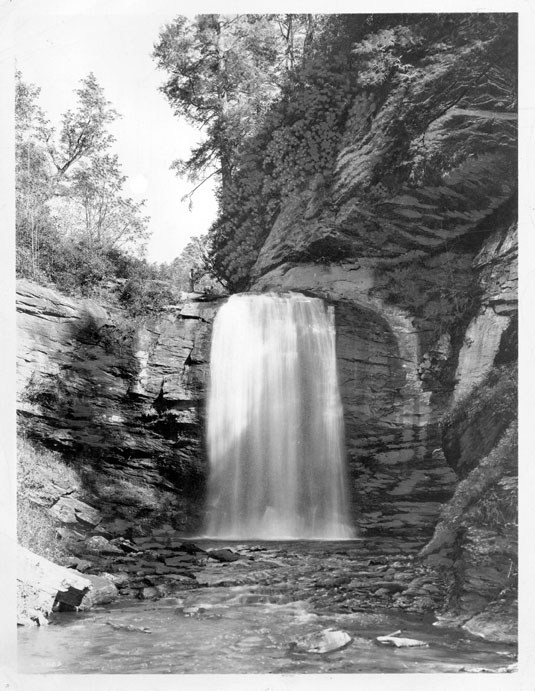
(275, 425)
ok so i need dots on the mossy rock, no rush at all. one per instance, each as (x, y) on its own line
(474, 426)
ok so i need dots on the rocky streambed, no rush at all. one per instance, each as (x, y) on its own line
(341, 576)
(201, 606)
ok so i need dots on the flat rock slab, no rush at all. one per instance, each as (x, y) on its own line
(48, 582)
(180, 577)
(179, 560)
(71, 510)
(397, 641)
(224, 555)
(99, 545)
(150, 545)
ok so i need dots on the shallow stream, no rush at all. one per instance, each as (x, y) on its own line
(246, 617)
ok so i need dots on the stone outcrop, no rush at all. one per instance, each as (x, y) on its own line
(476, 537)
(42, 584)
(492, 333)
(474, 426)
(123, 400)
(44, 587)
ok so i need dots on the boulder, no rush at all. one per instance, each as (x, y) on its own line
(397, 641)
(499, 625)
(79, 564)
(41, 584)
(188, 547)
(149, 593)
(68, 509)
(102, 591)
(99, 545)
(224, 555)
(325, 641)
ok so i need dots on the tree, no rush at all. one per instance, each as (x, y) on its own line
(224, 71)
(97, 209)
(297, 31)
(34, 177)
(194, 264)
(83, 131)
(72, 210)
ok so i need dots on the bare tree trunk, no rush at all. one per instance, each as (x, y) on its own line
(31, 218)
(224, 154)
(309, 36)
(290, 56)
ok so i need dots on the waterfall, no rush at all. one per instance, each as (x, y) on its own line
(275, 426)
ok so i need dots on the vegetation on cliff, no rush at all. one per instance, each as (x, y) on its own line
(401, 129)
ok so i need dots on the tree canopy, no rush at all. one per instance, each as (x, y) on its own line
(72, 210)
(224, 71)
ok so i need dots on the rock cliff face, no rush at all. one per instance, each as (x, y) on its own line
(124, 401)
(476, 535)
(428, 403)
(430, 430)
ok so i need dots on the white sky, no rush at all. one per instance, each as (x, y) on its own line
(55, 50)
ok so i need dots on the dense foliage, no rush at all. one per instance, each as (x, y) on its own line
(223, 73)
(402, 125)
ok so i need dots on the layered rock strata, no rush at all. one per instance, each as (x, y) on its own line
(475, 539)
(123, 400)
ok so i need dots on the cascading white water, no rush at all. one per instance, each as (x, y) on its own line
(275, 426)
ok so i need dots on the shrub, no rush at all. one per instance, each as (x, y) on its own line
(37, 529)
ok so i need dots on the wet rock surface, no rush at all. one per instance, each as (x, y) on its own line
(127, 404)
(123, 398)
(351, 578)
(280, 607)
(322, 642)
(375, 572)
(402, 472)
